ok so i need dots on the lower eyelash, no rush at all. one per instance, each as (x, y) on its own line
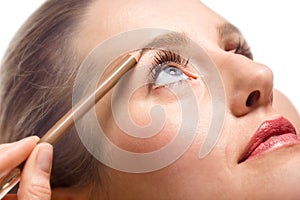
(170, 84)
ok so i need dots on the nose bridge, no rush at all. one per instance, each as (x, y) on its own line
(248, 84)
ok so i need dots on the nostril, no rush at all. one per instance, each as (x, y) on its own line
(252, 98)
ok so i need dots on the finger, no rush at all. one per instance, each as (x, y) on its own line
(13, 154)
(35, 177)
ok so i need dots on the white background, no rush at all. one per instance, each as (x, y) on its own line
(270, 27)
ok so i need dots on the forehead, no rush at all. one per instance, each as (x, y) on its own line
(107, 18)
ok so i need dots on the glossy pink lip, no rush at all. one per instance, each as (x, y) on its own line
(270, 135)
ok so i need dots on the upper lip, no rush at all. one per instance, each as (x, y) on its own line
(266, 130)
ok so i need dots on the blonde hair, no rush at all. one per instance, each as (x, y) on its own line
(37, 75)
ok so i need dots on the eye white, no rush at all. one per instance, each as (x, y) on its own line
(170, 74)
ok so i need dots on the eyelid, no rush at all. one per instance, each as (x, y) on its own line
(188, 73)
(238, 45)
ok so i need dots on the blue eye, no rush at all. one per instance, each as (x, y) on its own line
(169, 74)
(174, 71)
(168, 68)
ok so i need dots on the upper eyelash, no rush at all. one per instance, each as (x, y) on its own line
(165, 56)
(243, 49)
(162, 57)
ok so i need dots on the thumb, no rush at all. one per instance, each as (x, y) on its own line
(35, 177)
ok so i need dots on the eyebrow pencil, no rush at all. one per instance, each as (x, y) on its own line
(60, 128)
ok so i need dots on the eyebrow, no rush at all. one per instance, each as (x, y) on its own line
(178, 39)
(168, 39)
(224, 31)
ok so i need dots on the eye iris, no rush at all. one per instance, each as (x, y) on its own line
(173, 71)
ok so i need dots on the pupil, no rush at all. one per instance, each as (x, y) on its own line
(173, 71)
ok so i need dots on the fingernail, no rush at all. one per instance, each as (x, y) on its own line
(36, 138)
(44, 157)
(30, 138)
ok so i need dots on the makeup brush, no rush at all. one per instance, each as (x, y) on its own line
(116, 71)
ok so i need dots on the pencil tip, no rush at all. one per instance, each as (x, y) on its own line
(137, 54)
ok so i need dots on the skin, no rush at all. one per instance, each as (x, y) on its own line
(35, 176)
(219, 175)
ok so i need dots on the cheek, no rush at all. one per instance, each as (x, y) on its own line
(142, 111)
(147, 112)
(161, 103)
(189, 175)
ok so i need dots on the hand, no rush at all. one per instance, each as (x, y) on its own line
(35, 176)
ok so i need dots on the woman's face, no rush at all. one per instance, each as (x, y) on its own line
(225, 173)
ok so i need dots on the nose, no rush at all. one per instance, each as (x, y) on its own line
(248, 84)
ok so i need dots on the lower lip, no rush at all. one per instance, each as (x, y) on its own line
(275, 142)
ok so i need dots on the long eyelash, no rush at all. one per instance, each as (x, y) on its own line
(243, 49)
(163, 57)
